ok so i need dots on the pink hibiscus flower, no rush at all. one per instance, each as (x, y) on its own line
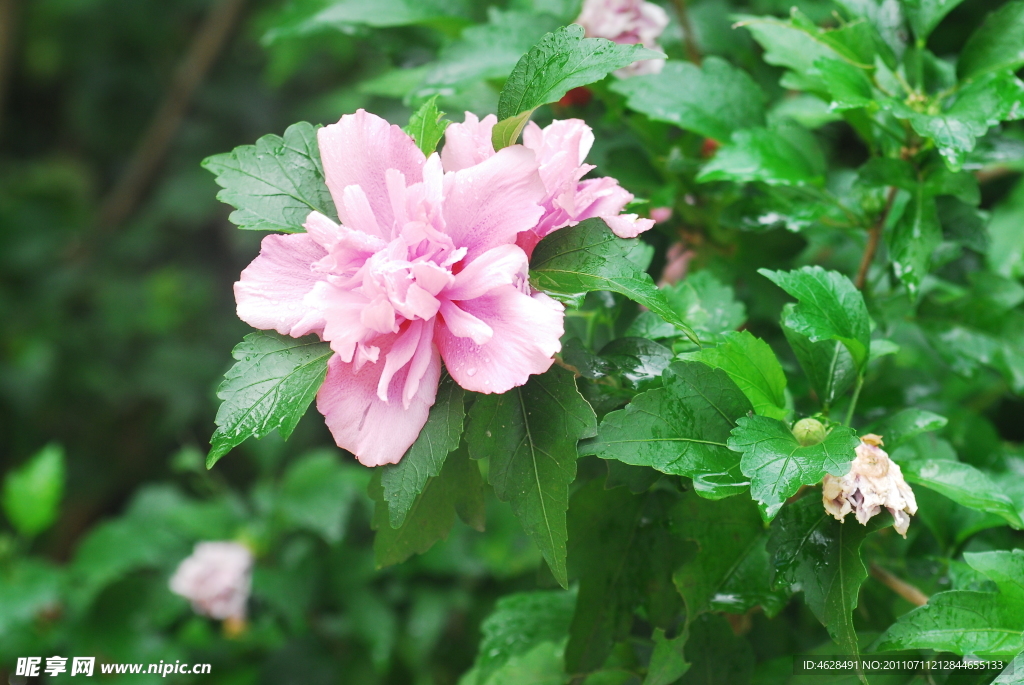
(560, 149)
(422, 267)
(626, 22)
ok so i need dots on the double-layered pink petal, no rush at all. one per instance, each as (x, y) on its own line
(271, 290)
(379, 432)
(526, 337)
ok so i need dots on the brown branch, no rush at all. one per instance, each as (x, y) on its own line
(155, 142)
(874, 237)
(899, 586)
(692, 49)
(8, 19)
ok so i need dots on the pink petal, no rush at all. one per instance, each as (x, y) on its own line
(628, 225)
(601, 197)
(464, 325)
(358, 150)
(377, 432)
(502, 265)
(271, 289)
(469, 143)
(526, 335)
(488, 204)
(571, 136)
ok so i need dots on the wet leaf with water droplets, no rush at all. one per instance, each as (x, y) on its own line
(271, 385)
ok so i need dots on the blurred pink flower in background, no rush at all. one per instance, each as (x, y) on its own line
(216, 579)
(626, 21)
(560, 148)
(422, 267)
(660, 215)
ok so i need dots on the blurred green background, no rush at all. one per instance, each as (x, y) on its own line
(117, 321)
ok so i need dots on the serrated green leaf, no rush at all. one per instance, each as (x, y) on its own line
(821, 556)
(829, 308)
(519, 623)
(907, 424)
(758, 154)
(753, 366)
(925, 15)
(680, 429)
(913, 239)
(427, 125)
(32, 492)
(778, 465)
(403, 482)
(274, 184)
(270, 386)
(848, 84)
(668, 660)
(829, 366)
(966, 621)
(639, 362)
(717, 655)
(962, 483)
(623, 555)
(530, 435)
(485, 51)
(458, 489)
(587, 257)
(704, 302)
(713, 99)
(317, 492)
(309, 17)
(561, 61)
(730, 570)
(997, 45)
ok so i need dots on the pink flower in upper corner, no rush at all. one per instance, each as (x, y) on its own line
(626, 21)
(560, 149)
(216, 579)
(422, 267)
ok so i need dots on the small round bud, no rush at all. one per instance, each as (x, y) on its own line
(808, 432)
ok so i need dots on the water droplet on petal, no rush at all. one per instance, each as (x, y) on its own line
(471, 371)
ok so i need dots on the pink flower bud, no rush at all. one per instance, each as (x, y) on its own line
(874, 482)
(216, 579)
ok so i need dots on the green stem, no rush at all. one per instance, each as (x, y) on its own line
(853, 401)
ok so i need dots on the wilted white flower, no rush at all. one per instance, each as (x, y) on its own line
(217, 579)
(626, 21)
(874, 481)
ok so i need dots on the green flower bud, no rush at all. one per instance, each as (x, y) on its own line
(809, 432)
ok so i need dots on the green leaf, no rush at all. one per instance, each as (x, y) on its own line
(561, 61)
(709, 306)
(829, 366)
(820, 555)
(307, 17)
(717, 655)
(427, 125)
(997, 45)
(623, 555)
(680, 429)
(830, 308)
(485, 51)
(848, 84)
(925, 15)
(519, 623)
(506, 132)
(753, 366)
(639, 362)
(458, 489)
(730, 570)
(913, 240)
(32, 492)
(587, 257)
(276, 183)
(317, 493)
(758, 154)
(270, 386)
(403, 482)
(907, 424)
(668, 661)
(777, 464)
(529, 434)
(962, 483)
(967, 621)
(713, 100)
